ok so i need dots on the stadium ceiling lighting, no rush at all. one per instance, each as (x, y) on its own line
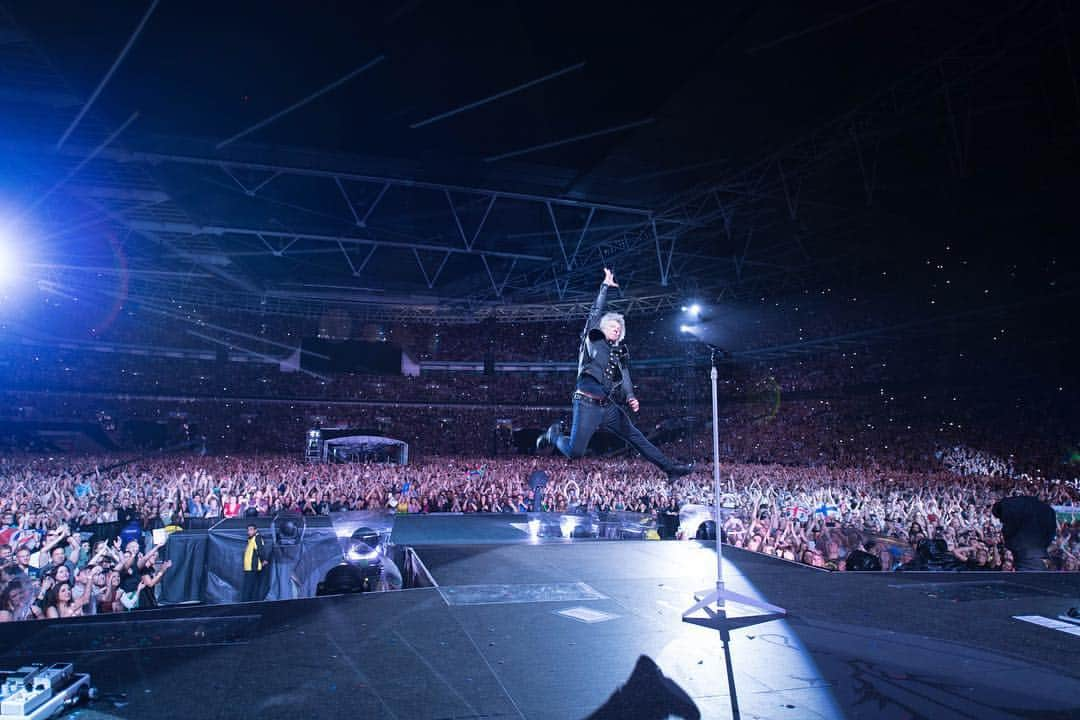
(693, 310)
(9, 260)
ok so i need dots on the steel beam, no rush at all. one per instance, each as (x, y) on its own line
(433, 278)
(483, 218)
(193, 229)
(105, 80)
(569, 140)
(843, 17)
(558, 235)
(362, 222)
(348, 201)
(82, 163)
(581, 237)
(300, 103)
(457, 221)
(664, 263)
(152, 158)
(356, 270)
(791, 198)
(497, 96)
(144, 228)
(869, 174)
(498, 287)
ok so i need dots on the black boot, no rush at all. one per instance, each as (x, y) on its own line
(547, 438)
(648, 695)
(677, 470)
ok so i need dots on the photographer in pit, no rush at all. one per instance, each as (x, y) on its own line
(1028, 526)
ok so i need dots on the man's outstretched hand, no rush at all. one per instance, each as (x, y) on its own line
(634, 404)
(609, 278)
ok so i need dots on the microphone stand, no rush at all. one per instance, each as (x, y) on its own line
(710, 610)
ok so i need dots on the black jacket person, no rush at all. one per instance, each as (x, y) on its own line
(603, 387)
(1028, 526)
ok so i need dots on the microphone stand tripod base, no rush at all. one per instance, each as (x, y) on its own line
(712, 607)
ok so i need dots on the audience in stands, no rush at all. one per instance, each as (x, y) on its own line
(816, 515)
(845, 460)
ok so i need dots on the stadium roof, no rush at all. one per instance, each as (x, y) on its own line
(404, 159)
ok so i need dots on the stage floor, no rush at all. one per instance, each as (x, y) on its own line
(549, 630)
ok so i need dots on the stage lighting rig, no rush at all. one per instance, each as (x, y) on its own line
(9, 261)
(693, 310)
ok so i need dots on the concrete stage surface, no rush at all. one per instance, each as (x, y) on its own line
(548, 629)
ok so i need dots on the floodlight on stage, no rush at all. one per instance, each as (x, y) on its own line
(693, 310)
(688, 329)
(9, 261)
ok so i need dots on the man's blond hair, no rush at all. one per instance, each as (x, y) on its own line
(614, 318)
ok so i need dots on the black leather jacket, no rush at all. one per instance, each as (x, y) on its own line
(1028, 524)
(603, 365)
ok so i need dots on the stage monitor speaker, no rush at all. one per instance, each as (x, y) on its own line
(348, 578)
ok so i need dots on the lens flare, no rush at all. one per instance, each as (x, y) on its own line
(9, 262)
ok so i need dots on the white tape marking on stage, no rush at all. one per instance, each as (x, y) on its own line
(586, 615)
(1064, 627)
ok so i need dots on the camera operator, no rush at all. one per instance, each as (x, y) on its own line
(1028, 527)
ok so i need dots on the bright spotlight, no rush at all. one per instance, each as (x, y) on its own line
(694, 310)
(9, 262)
(686, 328)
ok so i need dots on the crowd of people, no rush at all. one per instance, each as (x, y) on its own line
(903, 429)
(58, 573)
(774, 321)
(830, 459)
(907, 520)
(814, 515)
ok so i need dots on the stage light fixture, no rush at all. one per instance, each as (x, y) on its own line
(688, 329)
(9, 261)
(694, 310)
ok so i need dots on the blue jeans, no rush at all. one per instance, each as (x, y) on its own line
(590, 417)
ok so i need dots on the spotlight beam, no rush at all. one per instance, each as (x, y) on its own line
(9, 262)
(300, 103)
(497, 96)
(82, 163)
(255, 353)
(108, 75)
